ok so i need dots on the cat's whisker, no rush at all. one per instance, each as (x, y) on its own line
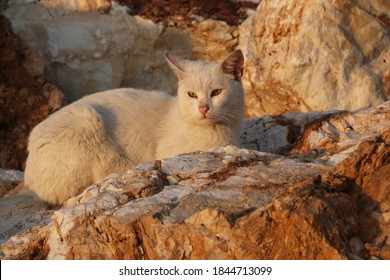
(226, 117)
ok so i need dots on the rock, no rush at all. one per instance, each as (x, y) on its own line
(299, 57)
(184, 13)
(321, 55)
(79, 5)
(21, 211)
(105, 49)
(9, 179)
(322, 200)
(26, 98)
(279, 134)
(359, 146)
(307, 185)
(334, 138)
(357, 246)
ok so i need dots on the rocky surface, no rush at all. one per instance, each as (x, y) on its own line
(300, 55)
(316, 55)
(320, 198)
(26, 98)
(307, 185)
(9, 179)
(184, 13)
(107, 47)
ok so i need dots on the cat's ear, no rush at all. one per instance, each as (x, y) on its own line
(177, 64)
(233, 65)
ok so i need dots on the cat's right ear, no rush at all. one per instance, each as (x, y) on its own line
(177, 64)
(233, 65)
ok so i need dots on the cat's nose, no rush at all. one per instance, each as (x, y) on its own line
(203, 109)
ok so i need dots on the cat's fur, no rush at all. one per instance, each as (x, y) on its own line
(115, 130)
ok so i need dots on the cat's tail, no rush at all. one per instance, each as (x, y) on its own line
(68, 152)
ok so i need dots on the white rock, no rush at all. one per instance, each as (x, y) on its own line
(91, 52)
(11, 176)
(315, 55)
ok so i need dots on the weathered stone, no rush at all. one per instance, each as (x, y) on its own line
(9, 179)
(316, 55)
(300, 56)
(231, 203)
(334, 138)
(317, 189)
(21, 211)
(96, 51)
(78, 5)
(279, 134)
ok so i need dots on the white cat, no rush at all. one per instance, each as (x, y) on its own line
(115, 130)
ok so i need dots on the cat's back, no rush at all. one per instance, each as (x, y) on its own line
(126, 116)
(118, 108)
(127, 100)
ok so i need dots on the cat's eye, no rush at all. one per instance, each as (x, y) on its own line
(216, 92)
(192, 94)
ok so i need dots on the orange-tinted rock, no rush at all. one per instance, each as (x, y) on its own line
(328, 199)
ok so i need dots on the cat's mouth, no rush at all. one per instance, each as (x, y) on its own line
(208, 119)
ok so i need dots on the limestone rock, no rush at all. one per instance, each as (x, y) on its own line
(333, 139)
(324, 200)
(316, 55)
(300, 56)
(279, 134)
(9, 179)
(20, 209)
(105, 49)
(26, 98)
(90, 52)
(76, 5)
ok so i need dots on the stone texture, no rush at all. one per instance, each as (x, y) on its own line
(300, 55)
(333, 139)
(75, 5)
(9, 179)
(322, 200)
(104, 49)
(20, 209)
(279, 134)
(182, 13)
(308, 185)
(26, 98)
(316, 55)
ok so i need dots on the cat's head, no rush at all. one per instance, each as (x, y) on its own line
(209, 92)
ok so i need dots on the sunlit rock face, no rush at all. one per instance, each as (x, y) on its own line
(300, 56)
(316, 55)
(302, 185)
(105, 48)
(320, 191)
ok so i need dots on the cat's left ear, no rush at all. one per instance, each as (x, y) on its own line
(177, 64)
(234, 64)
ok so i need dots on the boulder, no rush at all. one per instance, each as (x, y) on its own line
(316, 55)
(308, 199)
(9, 179)
(300, 56)
(97, 45)
(26, 98)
